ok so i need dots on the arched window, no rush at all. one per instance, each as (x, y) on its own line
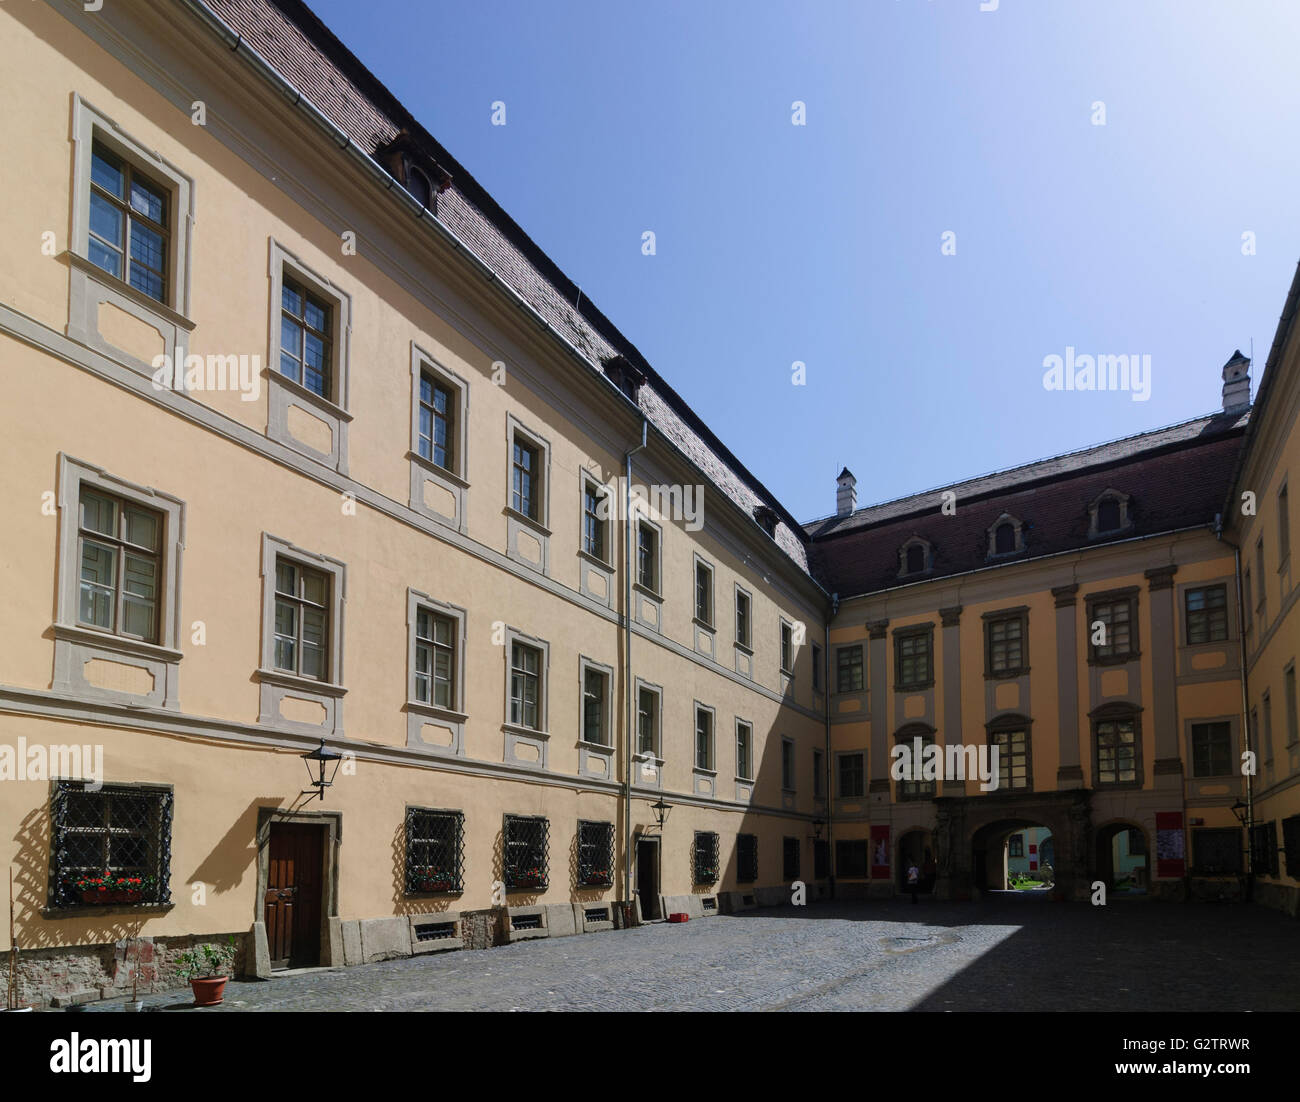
(1006, 536)
(914, 557)
(417, 183)
(1108, 512)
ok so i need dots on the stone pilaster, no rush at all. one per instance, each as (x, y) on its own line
(1164, 699)
(950, 732)
(878, 663)
(1069, 773)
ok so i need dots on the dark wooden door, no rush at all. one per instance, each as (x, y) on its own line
(647, 877)
(293, 895)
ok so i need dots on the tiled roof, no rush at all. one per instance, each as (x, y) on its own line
(298, 46)
(1174, 477)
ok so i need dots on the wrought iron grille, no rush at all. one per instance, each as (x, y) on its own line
(746, 858)
(1291, 844)
(526, 846)
(1263, 856)
(706, 857)
(790, 859)
(110, 845)
(435, 850)
(595, 854)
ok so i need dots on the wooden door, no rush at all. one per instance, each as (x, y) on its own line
(647, 877)
(293, 895)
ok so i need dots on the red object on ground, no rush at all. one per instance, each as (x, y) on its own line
(679, 916)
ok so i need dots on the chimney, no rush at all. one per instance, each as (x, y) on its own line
(846, 493)
(1236, 384)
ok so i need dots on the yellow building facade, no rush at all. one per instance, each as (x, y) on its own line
(310, 450)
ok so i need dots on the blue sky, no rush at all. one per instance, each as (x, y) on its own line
(821, 243)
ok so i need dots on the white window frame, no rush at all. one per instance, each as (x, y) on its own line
(452, 480)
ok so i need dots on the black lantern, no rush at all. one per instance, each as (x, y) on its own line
(1239, 810)
(328, 760)
(817, 829)
(661, 810)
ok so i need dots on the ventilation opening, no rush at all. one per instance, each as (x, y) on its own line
(710, 904)
(527, 922)
(435, 931)
(597, 914)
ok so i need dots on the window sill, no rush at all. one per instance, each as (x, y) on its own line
(704, 771)
(596, 747)
(647, 591)
(596, 561)
(530, 522)
(124, 643)
(704, 625)
(84, 909)
(306, 394)
(433, 468)
(1114, 659)
(296, 681)
(94, 271)
(1006, 675)
(917, 687)
(744, 648)
(526, 732)
(436, 711)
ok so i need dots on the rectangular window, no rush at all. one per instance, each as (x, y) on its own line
(1211, 749)
(1013, 759)
(1261, 581)
(703, 593)
(787, 765)
(595, 521)
(1263, 848)
(743, 635)
(914, 785)
(1117, 751)
(789, 859)
(816, 668)
(849, 677)
(595, 854)
(1292, 719)
(1216, 852)
(1283, 525)
(435, 659)
(852, 773)
(434, 850)
(525, 486)
(302, 620)
(1016, 845)
(1291, 845)
(1207, 614)
(525, 686)
(819, 777)
(705, 858)
(110, 845)
(1247, 590)
(1005, 642)
(647, 722)
(913, 660)
(647, 557)
(305, 328)
(524, 852)
(703, 738)
(595, 691)
(437, 429)
(129, 224)
(746, 858)
(851, 859)
(787, 647)
(1117, 614)
(119, 549)
(744, 751)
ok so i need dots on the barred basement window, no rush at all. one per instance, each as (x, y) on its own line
(705, 858)
(524, 852)
(746, 858)
(1291, 845)
(595, 854)
(1216, 852)
(112, 845)
(1263, 848)
(435, 843)
(790, 859)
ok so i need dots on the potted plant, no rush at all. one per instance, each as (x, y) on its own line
(203, 966)
(108, 888)
(434, 880)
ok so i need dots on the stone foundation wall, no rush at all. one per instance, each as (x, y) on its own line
(88, 973)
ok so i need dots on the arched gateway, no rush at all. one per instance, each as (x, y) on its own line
(966, 825)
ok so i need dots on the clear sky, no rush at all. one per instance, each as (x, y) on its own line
(822, 243)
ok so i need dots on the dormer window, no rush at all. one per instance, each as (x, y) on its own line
(1006, 536)
(417, 183)
(1108, 513)
(767, 518)
(914, 557)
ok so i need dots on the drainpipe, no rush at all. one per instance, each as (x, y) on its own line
(628, 681)
(1245, 705)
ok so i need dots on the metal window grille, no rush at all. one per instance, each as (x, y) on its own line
(112, 845)
(1291, 844)
(435, 848)
(1263, 843)
(526, 846)
(790, 859)
(746, 858)
(1216, 852)
(595, 854)
(705, 857)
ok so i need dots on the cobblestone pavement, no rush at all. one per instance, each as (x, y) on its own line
(1005, 953)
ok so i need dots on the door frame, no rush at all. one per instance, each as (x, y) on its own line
(331, 931)
(646, 836)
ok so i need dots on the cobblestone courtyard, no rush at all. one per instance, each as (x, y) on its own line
(1006, 953)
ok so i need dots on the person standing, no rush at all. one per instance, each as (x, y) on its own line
(913, 879)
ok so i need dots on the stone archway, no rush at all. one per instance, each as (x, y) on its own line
(1122, 857)
(965, 821)
(915, 846)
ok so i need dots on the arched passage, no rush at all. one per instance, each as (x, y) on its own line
(1122, 858)
(1007, 854)
(916, 847)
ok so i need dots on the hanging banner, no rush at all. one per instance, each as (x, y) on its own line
(880, 853)
(1170, 852)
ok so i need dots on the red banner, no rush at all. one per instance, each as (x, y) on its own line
(880, 853)
(1170, 844)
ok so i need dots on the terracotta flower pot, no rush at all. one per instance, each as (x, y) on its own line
(208, 991)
